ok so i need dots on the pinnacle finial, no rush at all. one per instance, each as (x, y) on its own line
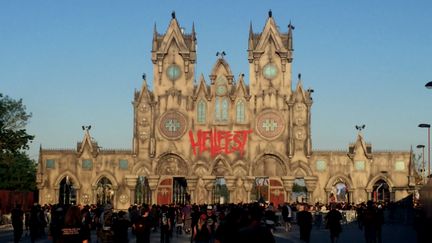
(144, 76)
(270, 14)
(290, 26)
(173, 14)
(220, 54)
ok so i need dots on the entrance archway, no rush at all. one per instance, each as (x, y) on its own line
(180, 195)
(260, 190)
(142, 191)
(340, 192)
(299, 191)
(221, 194)
(67, 192)
(381, 191)
(104, 191)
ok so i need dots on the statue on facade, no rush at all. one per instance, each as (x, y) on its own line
(201, 192)
(240, 195)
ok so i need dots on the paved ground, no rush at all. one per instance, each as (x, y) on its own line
(394, 233)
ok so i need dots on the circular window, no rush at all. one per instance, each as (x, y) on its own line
(173, 124)
(221, 90)
(270, 71)
(173, 72)
(269, 124)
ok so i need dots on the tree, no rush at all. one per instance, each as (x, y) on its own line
(17, 170)
(13, 119)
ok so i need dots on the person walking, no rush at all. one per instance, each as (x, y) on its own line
(333, 219)
(17, 216)
(304, 220)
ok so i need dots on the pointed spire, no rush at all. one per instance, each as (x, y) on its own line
(270, 14)
(155, 42)
(251, 37)
(193, 41)
(290, 37)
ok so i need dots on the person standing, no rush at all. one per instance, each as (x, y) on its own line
(201, 231)
(333, 219)
(120, 228)
(287, 216)
(71, 231)
(165, 225)
(370, 222)
(304, 220)
(17, 222)
(142, 226)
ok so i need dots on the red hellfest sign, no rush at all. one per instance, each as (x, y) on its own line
(219, 142)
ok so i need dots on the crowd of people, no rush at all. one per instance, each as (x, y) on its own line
(226, 223)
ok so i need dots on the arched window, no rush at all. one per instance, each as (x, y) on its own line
(201, 111)
(104, 191)
(221, 109)
(240, 111)
(67, 192)
(142, 191)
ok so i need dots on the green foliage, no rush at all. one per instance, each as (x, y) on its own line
(17, 171)
(20, 174)
(13, 119)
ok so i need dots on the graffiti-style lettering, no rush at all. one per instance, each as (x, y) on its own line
(218, 142)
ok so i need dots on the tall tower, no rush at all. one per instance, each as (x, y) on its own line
(173, 56)
(270, 57)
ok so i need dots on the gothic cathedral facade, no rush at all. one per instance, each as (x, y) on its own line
(221, 139)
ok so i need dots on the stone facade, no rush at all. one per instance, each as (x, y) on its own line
(190, 133)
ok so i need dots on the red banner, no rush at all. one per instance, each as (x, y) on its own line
(218, 142)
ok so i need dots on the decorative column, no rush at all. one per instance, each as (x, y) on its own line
(77, 193)
(131, 182)
(248, 185)
(191, 186)
(230, 183)
(94, 194)
(369, 194)
(311, 183)
(288, 182)
(153, 181)
(209, 182)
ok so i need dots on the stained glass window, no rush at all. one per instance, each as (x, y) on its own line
(400, 166)
(87, 164)
(50, 163)
(123, 164)
(321, 165)
(240, 111)
(359, 165)
(224, 111)
(201, 111)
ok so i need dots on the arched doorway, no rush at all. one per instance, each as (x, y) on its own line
(67, 192)
(299, 191)
(381, 191)
(260, 190)
(340, 192)
(221, 194)
(180, 194)
(104, 191)
(142, 191)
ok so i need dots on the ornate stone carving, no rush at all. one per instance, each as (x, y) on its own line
(172, 124)
(269, 124)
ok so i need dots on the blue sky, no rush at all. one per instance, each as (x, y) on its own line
(78, 62)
